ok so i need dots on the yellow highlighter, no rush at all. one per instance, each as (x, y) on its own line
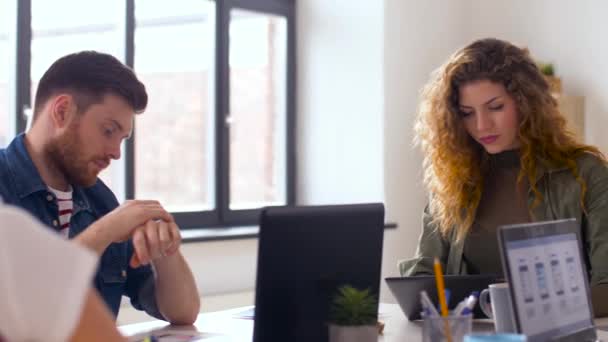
(443, 304)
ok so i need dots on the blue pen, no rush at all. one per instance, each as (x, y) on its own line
(447, 296)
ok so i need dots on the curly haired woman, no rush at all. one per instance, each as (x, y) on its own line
(497, 151)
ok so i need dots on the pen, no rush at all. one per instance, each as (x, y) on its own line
(463, 303)
(426, 312)
(441, 294)
(468, 309)
(428, 304)
(466, 306)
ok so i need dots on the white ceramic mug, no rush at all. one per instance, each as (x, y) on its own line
(495, 302)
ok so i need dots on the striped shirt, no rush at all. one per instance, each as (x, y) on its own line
(66, 207)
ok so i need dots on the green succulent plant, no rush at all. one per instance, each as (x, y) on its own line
(547, 69)
(353, 307)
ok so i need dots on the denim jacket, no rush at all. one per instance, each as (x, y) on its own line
(21, 185)
(561, 195)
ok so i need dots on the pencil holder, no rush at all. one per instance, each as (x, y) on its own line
(446, 329)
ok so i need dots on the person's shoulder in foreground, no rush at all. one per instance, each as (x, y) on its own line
(51, 300)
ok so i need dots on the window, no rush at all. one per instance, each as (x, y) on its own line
(174, 138)
(258, 69)
(216, 141)
(90, 26)
(255, 108)
(214, 144)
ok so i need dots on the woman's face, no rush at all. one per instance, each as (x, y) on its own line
(490, 115)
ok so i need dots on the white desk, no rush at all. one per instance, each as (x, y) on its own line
(223, 326)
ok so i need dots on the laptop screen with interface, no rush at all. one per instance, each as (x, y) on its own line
(548, 280)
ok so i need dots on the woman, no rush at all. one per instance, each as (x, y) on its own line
(497, 151)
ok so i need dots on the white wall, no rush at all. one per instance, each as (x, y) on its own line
(340, 101)
(419, 35)
(571, 34)
(222, 266)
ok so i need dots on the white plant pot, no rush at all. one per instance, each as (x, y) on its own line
(361, 333)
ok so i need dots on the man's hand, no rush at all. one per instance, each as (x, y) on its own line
(120, 224)
(154, 240)
(122, 221)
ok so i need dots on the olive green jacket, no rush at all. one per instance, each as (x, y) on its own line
(561, 199)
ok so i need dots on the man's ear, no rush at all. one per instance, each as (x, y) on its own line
(63, 110)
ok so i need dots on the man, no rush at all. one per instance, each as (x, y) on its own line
(84, 108)
(61, 308)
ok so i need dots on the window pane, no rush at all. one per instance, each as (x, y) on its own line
(5, 125)
(90, 25)
(174, 57)
(258, 50)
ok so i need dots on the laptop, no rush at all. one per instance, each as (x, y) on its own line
(406, 290)
(304, 255)
(544, 265)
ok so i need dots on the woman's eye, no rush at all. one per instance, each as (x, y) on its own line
(465, 114)
(497, 107)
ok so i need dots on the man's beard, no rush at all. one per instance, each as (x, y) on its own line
(65, 153)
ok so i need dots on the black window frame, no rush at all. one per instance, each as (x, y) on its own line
(221, 215)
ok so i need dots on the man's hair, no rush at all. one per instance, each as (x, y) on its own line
(88, 76)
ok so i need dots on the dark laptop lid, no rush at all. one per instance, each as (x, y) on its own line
(548, 280)
(406, 290)
(304, 255)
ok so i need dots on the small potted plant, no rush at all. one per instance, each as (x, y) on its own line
(555, 83)
(353, 316)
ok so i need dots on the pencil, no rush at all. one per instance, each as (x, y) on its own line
(443, 305)
(441, 295)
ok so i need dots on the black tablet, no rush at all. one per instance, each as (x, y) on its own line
(406, 290)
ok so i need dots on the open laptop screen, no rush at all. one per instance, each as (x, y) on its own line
(544, 265)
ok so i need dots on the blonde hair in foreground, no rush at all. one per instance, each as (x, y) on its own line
(454, 164)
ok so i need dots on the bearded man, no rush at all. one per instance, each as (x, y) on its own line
(84, 108)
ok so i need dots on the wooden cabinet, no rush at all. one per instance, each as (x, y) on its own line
(573, 108)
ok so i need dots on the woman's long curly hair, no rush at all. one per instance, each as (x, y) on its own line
(454, 164)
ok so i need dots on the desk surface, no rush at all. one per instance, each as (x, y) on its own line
(223, 326)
